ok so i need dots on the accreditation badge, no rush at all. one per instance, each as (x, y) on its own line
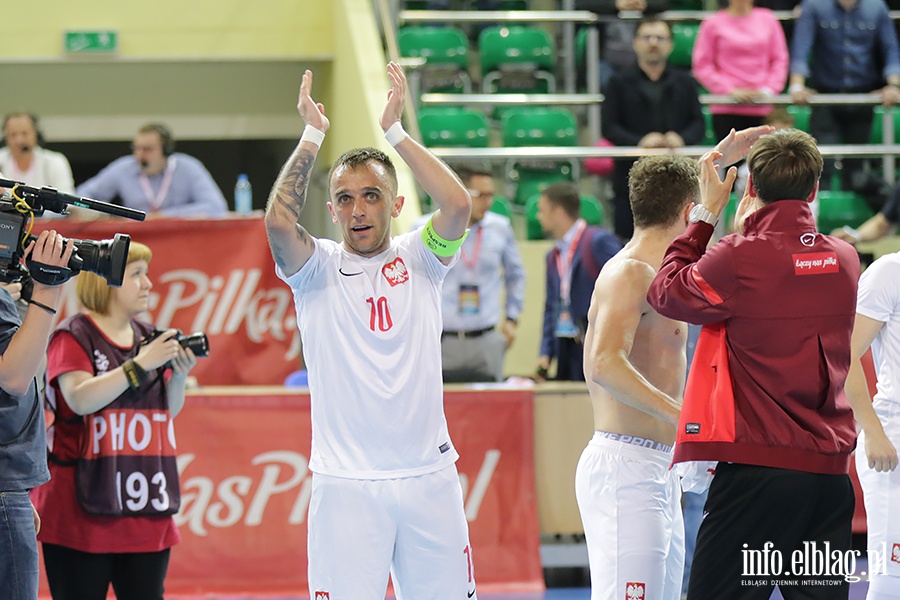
(565, 326)
(469, 299)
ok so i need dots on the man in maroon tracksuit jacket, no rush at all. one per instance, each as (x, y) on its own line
(765, 396)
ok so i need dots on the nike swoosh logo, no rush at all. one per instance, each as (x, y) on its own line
(470, 594)
(341, 271)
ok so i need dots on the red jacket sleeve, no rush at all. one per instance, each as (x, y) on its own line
(694, 284)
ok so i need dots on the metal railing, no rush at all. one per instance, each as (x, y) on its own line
(566, 17)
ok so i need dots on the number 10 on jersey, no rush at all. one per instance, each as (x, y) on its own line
(380, 314)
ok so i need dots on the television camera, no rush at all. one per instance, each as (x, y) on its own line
(18, 209)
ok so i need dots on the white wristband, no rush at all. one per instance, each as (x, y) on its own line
(312, 135)
(395, 134)
(796, 87)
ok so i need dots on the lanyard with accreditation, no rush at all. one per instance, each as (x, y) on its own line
(469, 293)
(156, 200)
(565, 325)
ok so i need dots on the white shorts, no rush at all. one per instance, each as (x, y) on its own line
(881, 492)
(630, 503)
(413, 528)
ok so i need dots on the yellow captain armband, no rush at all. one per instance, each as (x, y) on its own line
(439, 245)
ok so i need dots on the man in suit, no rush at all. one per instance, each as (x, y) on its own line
(572, 267)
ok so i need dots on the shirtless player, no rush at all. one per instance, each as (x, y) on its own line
(635, 367)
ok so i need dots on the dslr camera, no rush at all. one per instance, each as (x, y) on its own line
(197, 341)
(18, 209)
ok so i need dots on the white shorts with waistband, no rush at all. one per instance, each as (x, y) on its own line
(630, 503)
(881, 492)
(413, 528)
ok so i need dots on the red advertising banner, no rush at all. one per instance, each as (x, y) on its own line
(215, 276)
(245, 489)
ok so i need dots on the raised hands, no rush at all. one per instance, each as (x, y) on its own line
(393, 109)
(736, 145)
(714, 193)
(312, 112)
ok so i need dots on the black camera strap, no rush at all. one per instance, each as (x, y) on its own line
(47, 274)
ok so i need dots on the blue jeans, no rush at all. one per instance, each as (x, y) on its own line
(18, 548)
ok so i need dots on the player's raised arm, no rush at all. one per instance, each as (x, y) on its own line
(291, 244)
(439, 182)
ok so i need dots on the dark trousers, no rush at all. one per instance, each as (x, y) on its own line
(842, 124)
(76, 575)
(570, 360)
(723, 124)
(749, 507)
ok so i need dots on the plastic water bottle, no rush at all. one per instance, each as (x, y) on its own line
(243, 195)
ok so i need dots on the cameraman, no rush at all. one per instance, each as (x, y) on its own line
(108, 507)
(22, 441)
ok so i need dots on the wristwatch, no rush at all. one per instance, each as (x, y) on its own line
(701, 213)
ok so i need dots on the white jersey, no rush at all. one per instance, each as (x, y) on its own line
(879, 299)
(371, 330)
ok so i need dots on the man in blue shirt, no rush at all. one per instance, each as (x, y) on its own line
(472, 347)
(845, 46)
(157, 180)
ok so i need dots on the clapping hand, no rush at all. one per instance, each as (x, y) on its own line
(312, 112)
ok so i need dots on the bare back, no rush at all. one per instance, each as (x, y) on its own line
(635, 359)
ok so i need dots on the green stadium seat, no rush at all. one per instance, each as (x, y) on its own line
(683, 36)
(591, 210)
(446, 52)
(709, 139)
(533, 229)
(877, 136)
(453, 127)
(837, 209)
(516, 59)
(801, 116)
(538, 127)
(502, 206)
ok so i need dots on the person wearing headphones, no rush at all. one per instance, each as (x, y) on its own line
(157, 180)
(22, 157)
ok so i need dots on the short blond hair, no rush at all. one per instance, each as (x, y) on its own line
(92, 290)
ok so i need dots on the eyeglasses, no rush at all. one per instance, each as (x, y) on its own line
(654, 38)
(476, 194)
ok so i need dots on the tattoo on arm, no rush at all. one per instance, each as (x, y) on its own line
(288, 198)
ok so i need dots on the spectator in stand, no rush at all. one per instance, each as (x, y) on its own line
(158, 180)
(650, 105)
(740, 52)
(617, 53)
(847, 47)
(24, 159)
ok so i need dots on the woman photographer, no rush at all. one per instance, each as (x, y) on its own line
(107, 511)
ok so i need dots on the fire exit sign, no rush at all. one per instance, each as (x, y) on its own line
(91, 42)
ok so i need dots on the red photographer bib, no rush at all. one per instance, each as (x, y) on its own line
(127, 463)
